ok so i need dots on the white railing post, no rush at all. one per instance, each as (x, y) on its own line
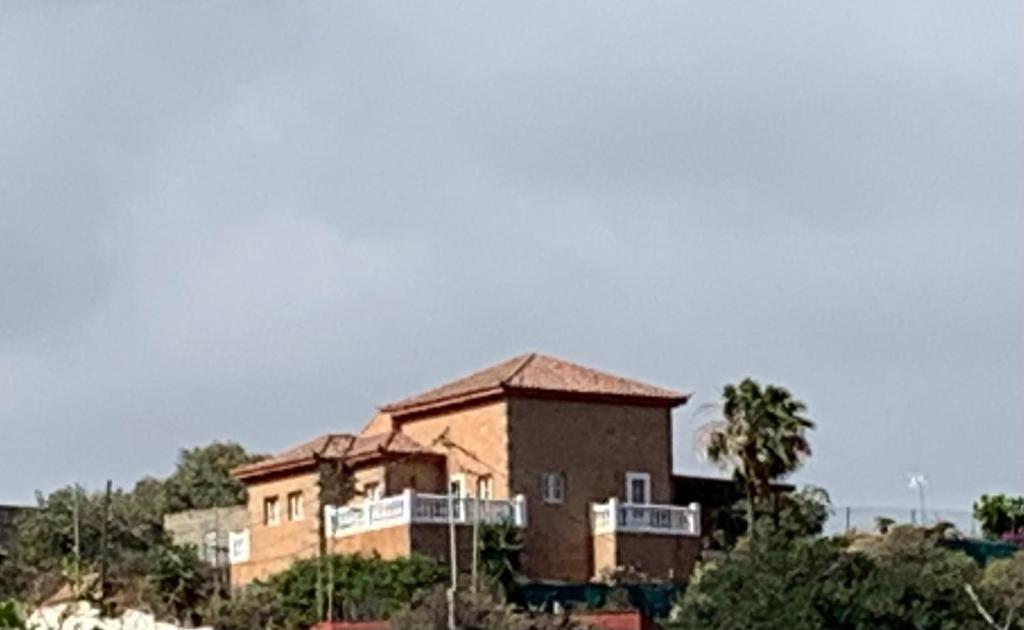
(519, 510)
(408, 502)
(694, 516)
(613, 514)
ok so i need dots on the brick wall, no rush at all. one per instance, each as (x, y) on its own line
(593, 445)
(657, 555)
(480, 442)
(273, 548)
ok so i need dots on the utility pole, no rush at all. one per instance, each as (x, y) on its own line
(216, 551)
(474, 574)
(104, 544)
(78, 547)
(453, 554)
(321, 537)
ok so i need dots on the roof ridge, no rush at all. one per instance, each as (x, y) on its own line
(530, 356)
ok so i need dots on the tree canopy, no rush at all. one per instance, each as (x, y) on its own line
(905, 581)
(760, 437)
(202, 477)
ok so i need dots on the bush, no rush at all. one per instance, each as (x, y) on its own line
(902, 581)
(483, 611)
(10, 616)
(999, 514)
(363, 588)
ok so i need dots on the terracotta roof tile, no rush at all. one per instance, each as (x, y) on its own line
(536, 372)
(334, 446)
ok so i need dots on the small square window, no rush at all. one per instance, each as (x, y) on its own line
(485, 487)
(295, 506)
(638, 488)
(271, 511)
(552, 487)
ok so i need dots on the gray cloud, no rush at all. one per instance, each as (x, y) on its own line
(256, 222)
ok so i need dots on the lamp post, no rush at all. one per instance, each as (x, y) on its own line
(919, 482)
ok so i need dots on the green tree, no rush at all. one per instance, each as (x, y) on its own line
(789, 514)
(363, 587)
(501, 550)
(904, 582)
(1000, 593)
(202, 478)
(760, 437)
(999, 514)
(177, 582)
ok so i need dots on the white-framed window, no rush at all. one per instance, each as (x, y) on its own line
(638, 488)
(552, 487)
(295, 507)
(457, 484)
(271, 511)
(373, 491)
(485, 487)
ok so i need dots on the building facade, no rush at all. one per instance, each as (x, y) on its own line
(580, 459)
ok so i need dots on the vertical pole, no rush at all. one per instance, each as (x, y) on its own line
(78, 547)
(920, 496)
(453, 558)
(321, 526)
(330, 583)
(475, 576)
(847, 519)
(216, 551)
(104, 544)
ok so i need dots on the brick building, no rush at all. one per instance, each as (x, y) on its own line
(580, 459)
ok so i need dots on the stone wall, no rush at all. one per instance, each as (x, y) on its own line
(192, 527)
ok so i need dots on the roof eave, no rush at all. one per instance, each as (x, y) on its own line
(399, 411)
(641, 400)
(250, 472)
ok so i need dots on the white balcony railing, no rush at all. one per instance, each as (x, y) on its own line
(673, 520)
(412, 507)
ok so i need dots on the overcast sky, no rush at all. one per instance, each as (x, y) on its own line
(256, 221)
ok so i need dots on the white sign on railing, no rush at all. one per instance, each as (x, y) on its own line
(238, 546)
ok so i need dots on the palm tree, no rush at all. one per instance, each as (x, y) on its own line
(760, 437)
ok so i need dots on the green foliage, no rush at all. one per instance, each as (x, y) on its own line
(255, 606)
(10, 616)
(44, 557)
(760, 438)
(903, 581)
(501, 550)
(202, 478)
(474, 612)
(1001, 590)
(364, 587)
(999, 514)
(787, 514)
(46, 535)
(177, 582)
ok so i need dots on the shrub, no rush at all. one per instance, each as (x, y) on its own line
(483, 611)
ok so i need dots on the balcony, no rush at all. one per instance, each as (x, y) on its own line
(673, 520)
(412, 508)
